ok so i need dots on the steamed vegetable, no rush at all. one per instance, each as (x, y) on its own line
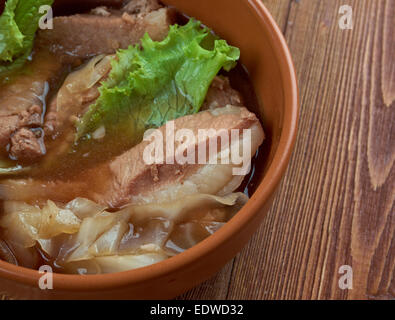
(28, 223)
(157, 82)
(83, 237)
(18, 25)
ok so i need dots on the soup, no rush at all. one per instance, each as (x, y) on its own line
(127, 136)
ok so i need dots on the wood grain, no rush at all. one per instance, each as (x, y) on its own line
(336, 204)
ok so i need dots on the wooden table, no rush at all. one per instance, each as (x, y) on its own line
(336, 204)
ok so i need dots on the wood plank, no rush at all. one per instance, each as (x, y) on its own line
(336, 204)
(279, 9)
(214, 289)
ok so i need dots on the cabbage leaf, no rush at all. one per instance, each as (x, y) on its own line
(83, 236)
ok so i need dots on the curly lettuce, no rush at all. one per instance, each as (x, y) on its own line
(155, 82)
(18, 26)
(11, 38)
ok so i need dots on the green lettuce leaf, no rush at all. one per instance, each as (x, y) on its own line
(18, 26)
(157, 82)
(11, 38)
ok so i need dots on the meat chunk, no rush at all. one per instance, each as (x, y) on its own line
(8, 125)
(22, 100)
(141, 6)
(16, 136)
(102, 34)
(26, 145)
(221, 94)
(31, 118)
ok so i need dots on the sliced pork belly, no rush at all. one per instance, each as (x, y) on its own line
(135, 181)
(85, 35)
(128, 179)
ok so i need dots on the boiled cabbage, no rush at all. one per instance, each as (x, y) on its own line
(82, 237)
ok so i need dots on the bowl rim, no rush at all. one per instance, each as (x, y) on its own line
(265, 189)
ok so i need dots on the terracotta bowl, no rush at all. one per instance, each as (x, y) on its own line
(248, 25)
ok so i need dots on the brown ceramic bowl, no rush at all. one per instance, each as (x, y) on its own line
(248, 25)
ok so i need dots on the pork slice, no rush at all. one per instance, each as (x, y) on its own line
(85, 35)
(141, 6)
(136, 181)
